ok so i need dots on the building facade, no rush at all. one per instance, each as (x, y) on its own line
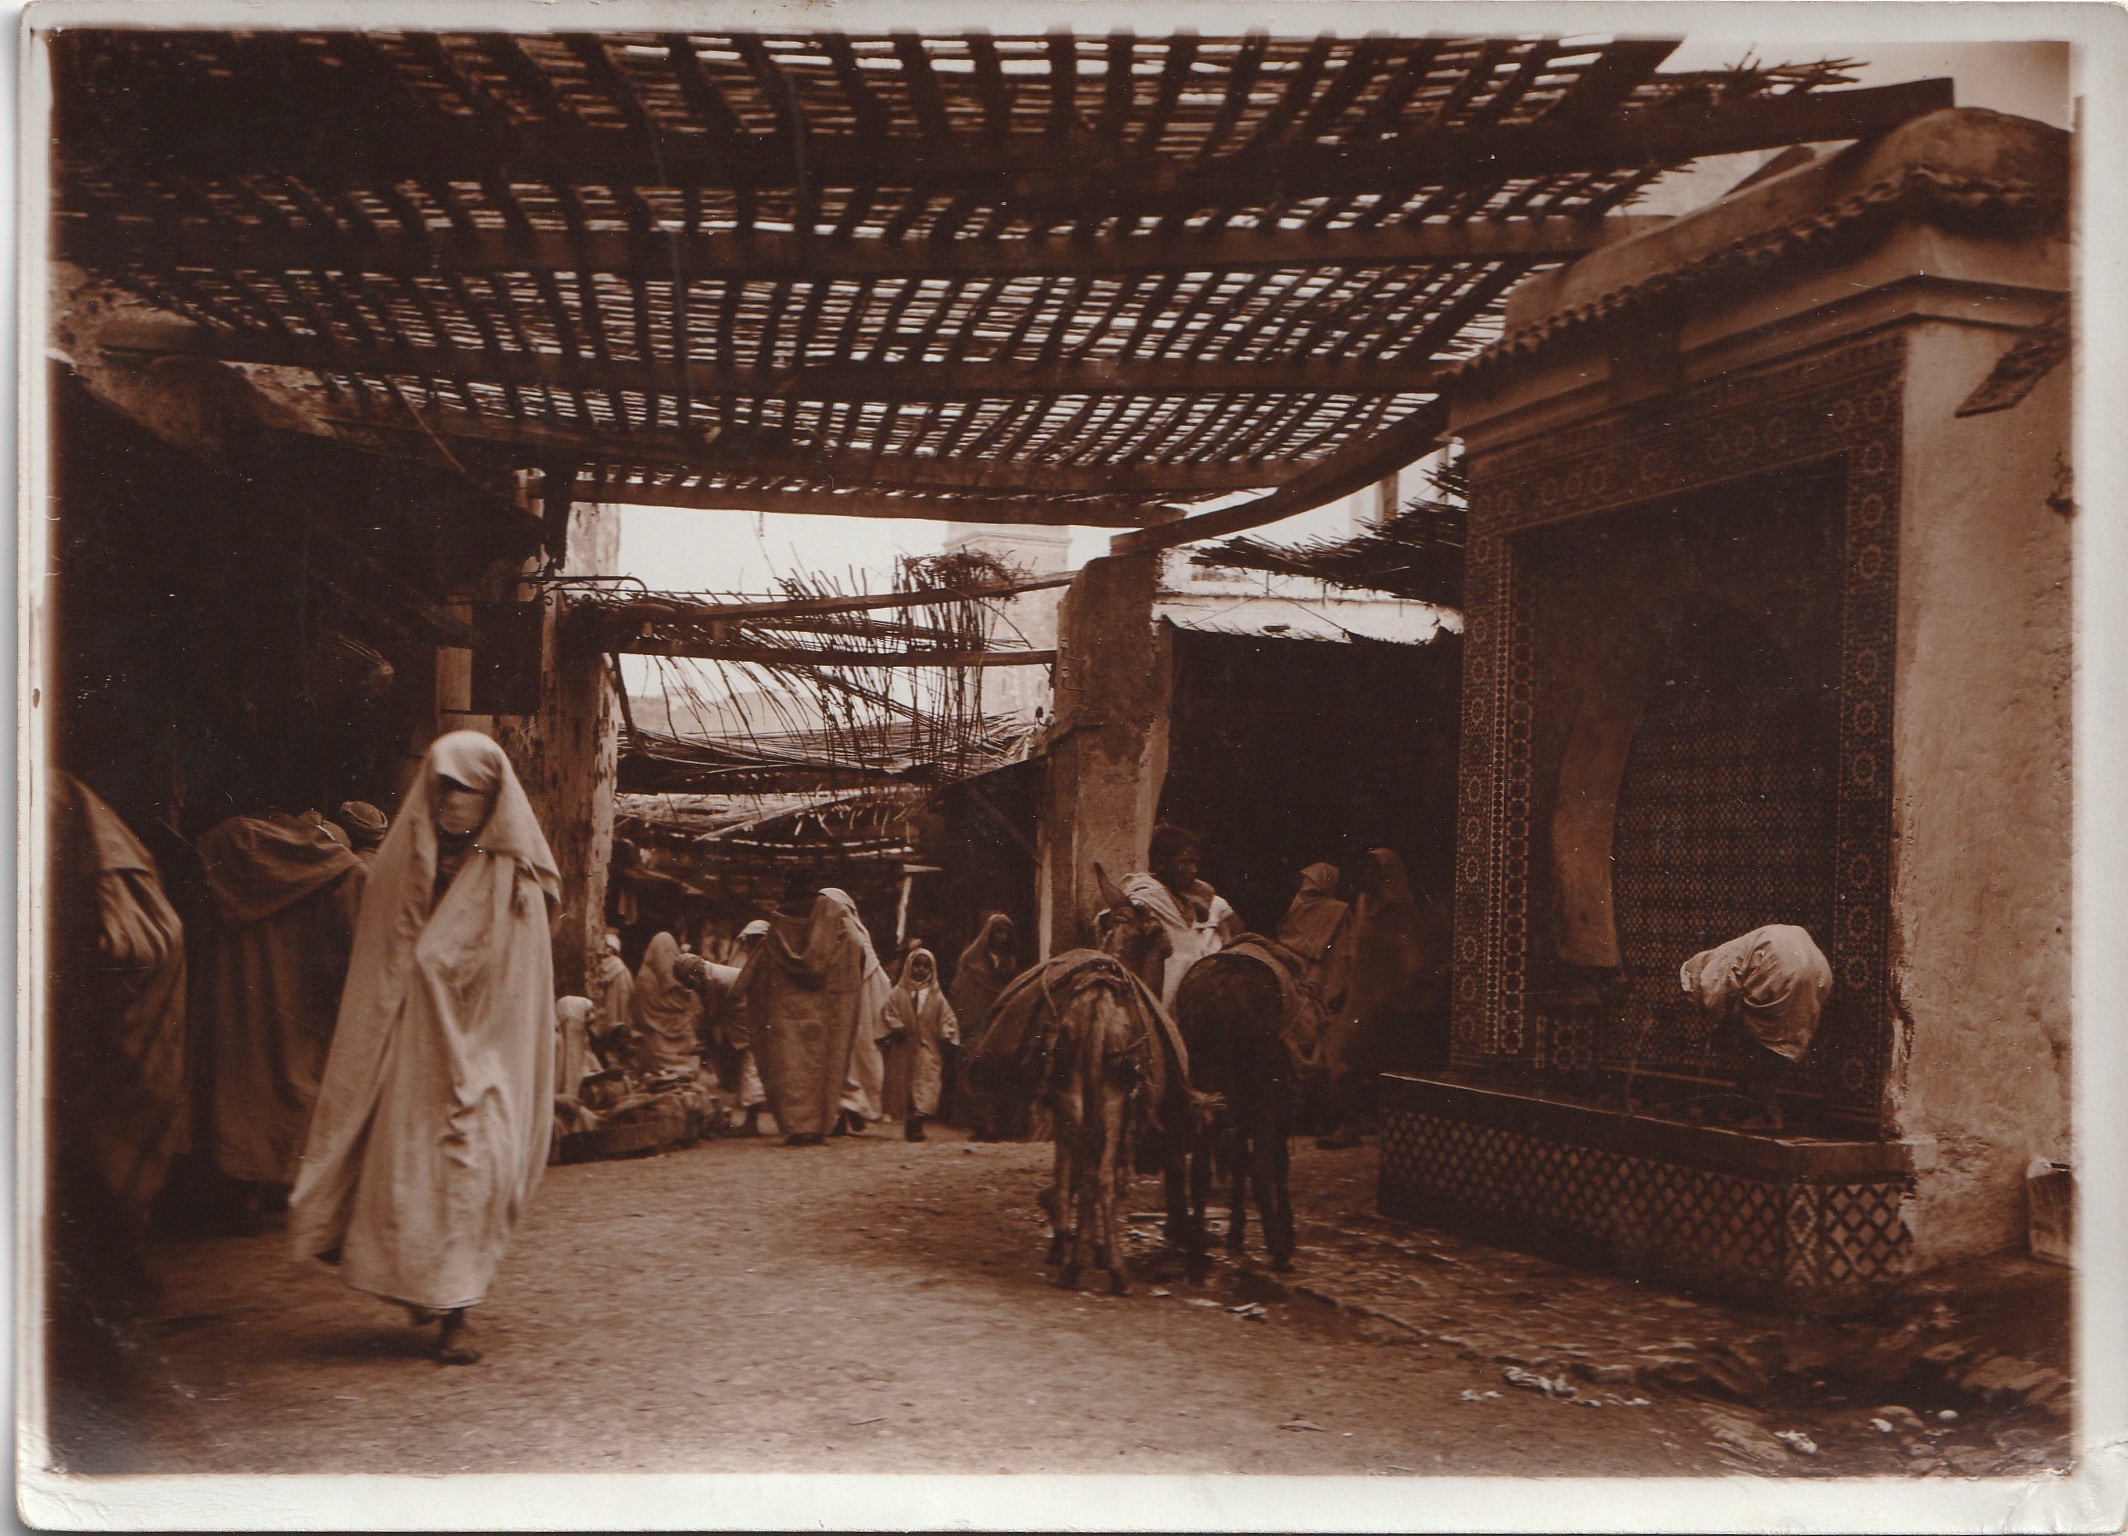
(1768, 622)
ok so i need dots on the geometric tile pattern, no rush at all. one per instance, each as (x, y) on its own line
(1723, 826)
(1819, 1243)
(1840, 410)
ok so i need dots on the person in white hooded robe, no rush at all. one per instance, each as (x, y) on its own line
(1768, 987)
(432, 1122)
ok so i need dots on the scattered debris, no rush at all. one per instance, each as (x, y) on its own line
(1744, 1437)
(1473, 1395)
(1530, 1381)
(1158, 1292)
(1948, 1415)
(1881, 1426)
(1252, 1310)
(1202, 1301)
(876, 1418)
(1797, 1439)
(1304, 1424)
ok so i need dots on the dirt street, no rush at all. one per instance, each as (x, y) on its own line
(875, 1306)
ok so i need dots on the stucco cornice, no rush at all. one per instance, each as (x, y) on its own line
(1965, 171)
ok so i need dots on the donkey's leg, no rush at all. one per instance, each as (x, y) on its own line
(1174, 1181)
(1056, 1199)
(1238, 1217)
(1086, 1207)
(1267, 1164)
(1111, 1182)
(1280, 1236)
(1200, 1168)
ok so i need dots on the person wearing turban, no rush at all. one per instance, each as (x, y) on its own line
(432, 1124)
(612, 990)
(364, 825)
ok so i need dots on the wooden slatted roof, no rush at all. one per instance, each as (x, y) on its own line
(1058, 279)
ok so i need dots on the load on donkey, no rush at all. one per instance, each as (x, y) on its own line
(1084, 1035)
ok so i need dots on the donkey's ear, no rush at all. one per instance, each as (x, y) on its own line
(1111, 895)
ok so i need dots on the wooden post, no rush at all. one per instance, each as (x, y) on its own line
(580, 751)
(567, 754)
(1108, 753)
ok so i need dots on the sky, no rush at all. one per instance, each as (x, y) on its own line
(688, 550)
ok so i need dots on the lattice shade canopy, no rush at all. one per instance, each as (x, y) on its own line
(1053, 279)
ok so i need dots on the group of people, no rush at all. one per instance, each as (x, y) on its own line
(203, 1034)
(803, 1022)
(384, 1039)
(1378, 963)
(368, 1006)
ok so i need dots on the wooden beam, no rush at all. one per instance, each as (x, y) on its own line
(537, 443)
(806, 656)
(819, 381)
(970, 509)
(765, 255)
(653, 609)
(335, 142)
(1340, 475)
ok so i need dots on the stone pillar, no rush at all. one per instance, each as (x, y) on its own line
(1108, 752)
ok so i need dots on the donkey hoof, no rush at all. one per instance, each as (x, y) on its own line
(1119, 1285)
(1068, 1278)
(1282, 1262)
(1057, 1248)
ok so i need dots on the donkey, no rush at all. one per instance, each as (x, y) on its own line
(1232, 1012)
(1104, 1070)
(1079, 1035)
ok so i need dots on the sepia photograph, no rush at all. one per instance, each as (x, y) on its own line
(1308, 758)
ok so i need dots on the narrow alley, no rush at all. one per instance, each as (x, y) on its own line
(877, 1306)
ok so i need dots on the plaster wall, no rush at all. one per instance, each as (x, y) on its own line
(1981, 775)
(1107, 758)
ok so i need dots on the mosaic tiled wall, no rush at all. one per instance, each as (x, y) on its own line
(1798, 1237)
(1723, 823)
(1843, 407)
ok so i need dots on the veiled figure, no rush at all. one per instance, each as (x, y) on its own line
(815, 1002)
(117, 1034)
(432, 1125)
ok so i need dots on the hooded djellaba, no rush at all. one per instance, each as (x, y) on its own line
(986, 967)
(284, 892)
(1318, 928)
(432, 1126)
(920, 1025)
(815, 1001)
(666, 1011)
(116, 1012)
(1396, 993)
